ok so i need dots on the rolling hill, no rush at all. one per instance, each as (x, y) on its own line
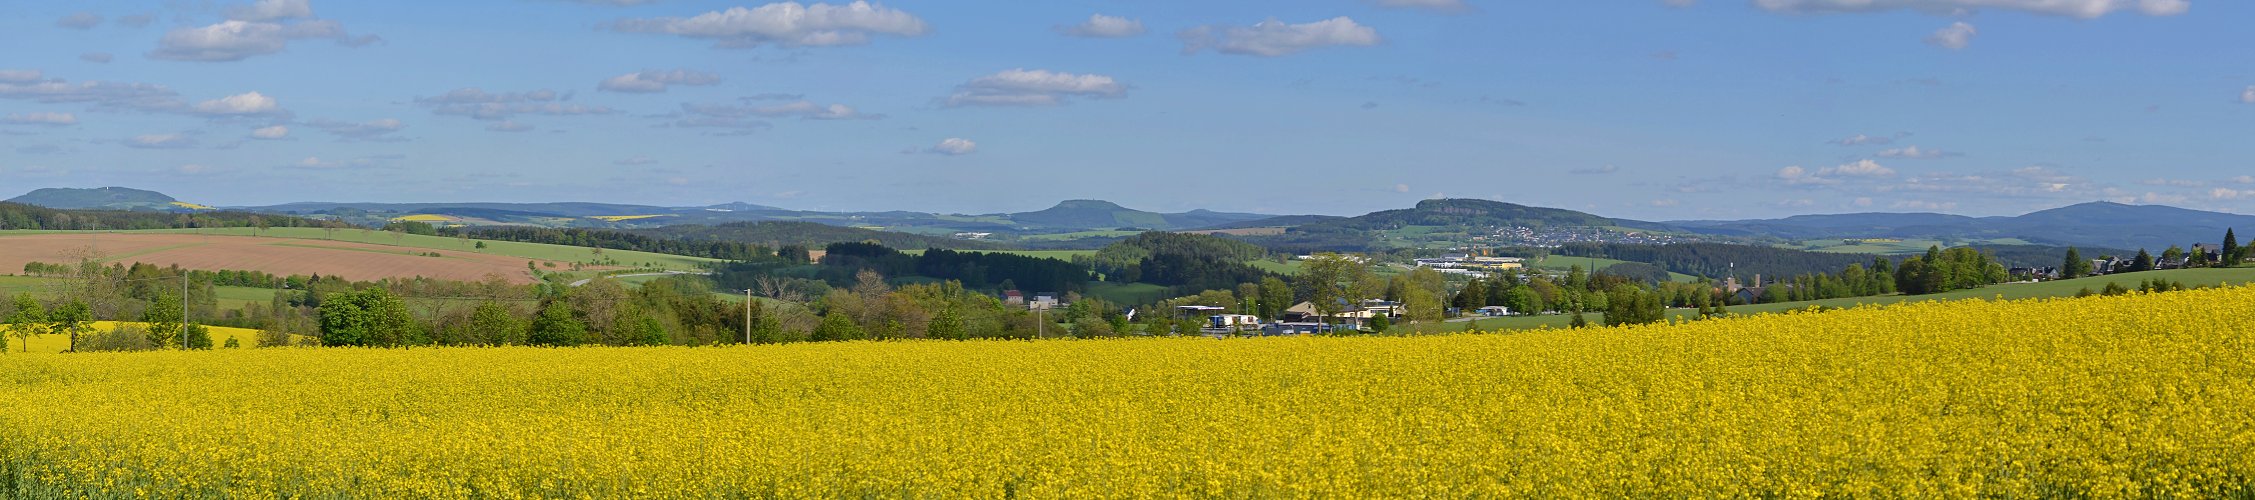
(107, 198)
(2097, 224)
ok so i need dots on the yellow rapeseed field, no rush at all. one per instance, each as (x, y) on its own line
(2134, 396)
(424, 218)
(54, 343)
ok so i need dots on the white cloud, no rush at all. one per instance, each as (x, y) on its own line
(2151, 198)
(509, 126)
(1862, 202)
(789, 24)
(271, 133)
(2247, 96)
(1860, 140)
(954, 146)
(2075, 8)
(478, 104)
(271, 10)
(262, 28)
(652, 81)
(49, 119)
(2244, 179)
(35, 76)
(1273, 38)
(1434, 5)
(1666, 202)
(80, 21)
(1916, 153)
(1103, 26)
(807, 110)
(1955, 36)
(251, 103)
(1865, 168)
(160, 141)
(351, 131)
(1021, 87)
(2230, 194)
(1401, 188)
(226, 41)
(315, 162)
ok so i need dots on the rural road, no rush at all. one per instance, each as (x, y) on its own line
(667, 273)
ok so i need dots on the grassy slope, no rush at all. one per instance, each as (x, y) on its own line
(1592, 264)
(537, 251)
(2063, 288)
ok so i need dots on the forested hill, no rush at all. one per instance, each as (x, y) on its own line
(1718, 260)
(108, 198)
(808, 234)
(1483, 213)
(21, 216)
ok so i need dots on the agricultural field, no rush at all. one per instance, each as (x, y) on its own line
(2008, 291)
(52, 344)
(496, 253)
(1126, 293)
(2145, 396)
(281, 256)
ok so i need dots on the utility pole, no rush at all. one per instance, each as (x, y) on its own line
(747, 316)
(183, 309)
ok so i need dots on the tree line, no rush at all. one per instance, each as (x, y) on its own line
(21, 216)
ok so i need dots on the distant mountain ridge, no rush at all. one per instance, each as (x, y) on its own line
(2095, 224)
(105, 198)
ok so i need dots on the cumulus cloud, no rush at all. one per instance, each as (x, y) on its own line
(2244, 179)
(2076, 8)
(807, 110)
(261, 28)
(1865, 168)
(2247, 96)
(160, 141)
(96, 57)
(271, 10)
(1861, 140)
(48, 119)
(21, 76)
(953, 146)
(1103, 26)
(1915, 153)
(1022, 87)
(31, 85)
(252, 103)
(80, 21)
(1273, 38)
(653, 81)
(1799, 176)
(271, 133)
(478, 104)
(1955, 36)
(788, 24)
(1433, 5)
(377, 130)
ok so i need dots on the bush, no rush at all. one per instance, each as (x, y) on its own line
(124, 338)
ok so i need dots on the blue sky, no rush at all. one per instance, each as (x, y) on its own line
(1650, 109)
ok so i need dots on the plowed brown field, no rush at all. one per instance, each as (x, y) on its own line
(279, 256)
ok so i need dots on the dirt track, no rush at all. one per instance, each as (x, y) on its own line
(279, 256)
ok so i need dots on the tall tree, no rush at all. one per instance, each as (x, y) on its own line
(2231, 250)
(372, 317)
(494, 324)
(2144, 262)
(947, 325)
(836, 326)
(1335, 283)
(72, 318)
(2075, 266)
(27, 321)
(556, 326)
(165, 321)
(1276, 296)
